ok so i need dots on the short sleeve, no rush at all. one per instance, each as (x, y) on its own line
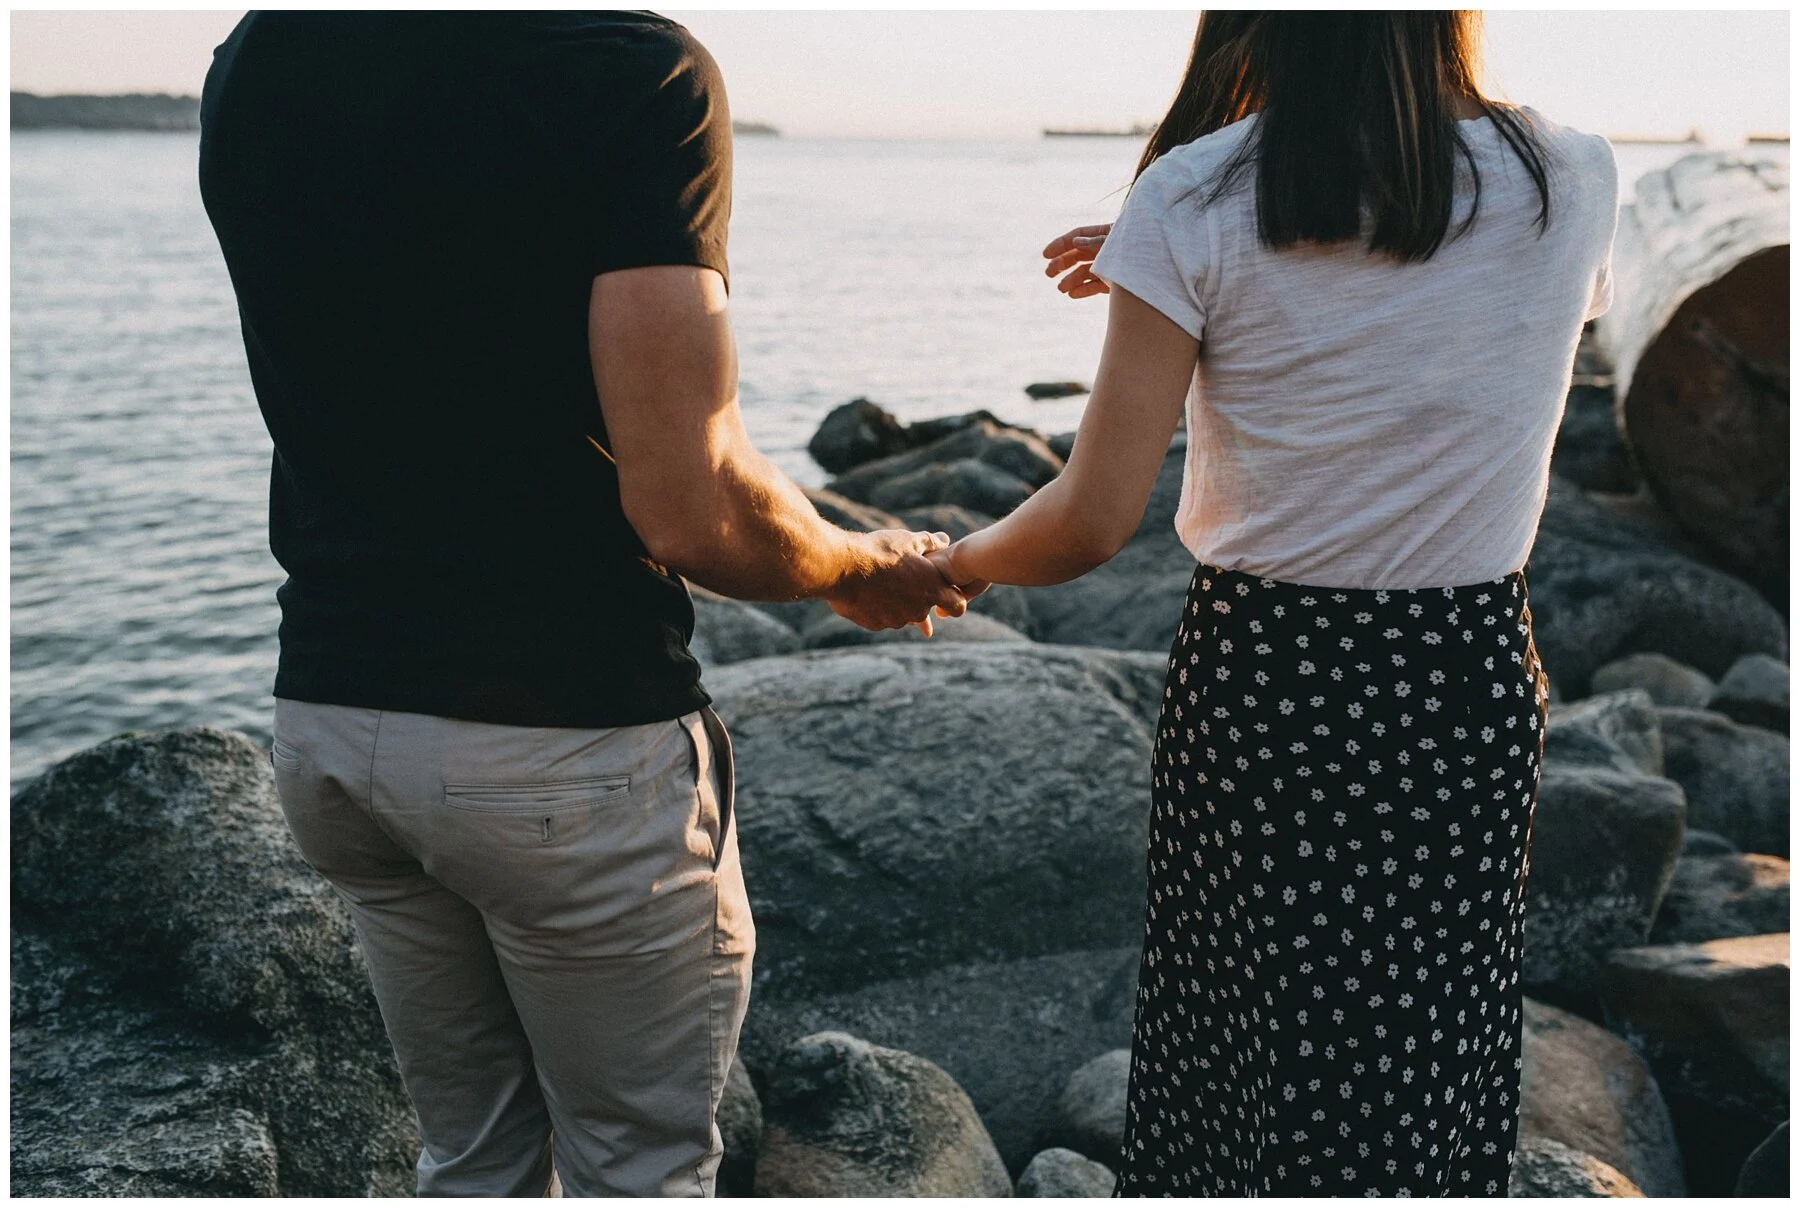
(1158, 250)
(1606, 174)
(671, 203)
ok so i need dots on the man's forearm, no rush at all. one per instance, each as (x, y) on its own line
(754, 535)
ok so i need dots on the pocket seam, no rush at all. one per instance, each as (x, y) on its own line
(284, 757)
(517, 797)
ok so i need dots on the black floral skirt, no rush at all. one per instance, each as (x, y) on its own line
(1329, 998)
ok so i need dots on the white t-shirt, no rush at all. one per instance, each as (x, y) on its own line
(1356, 421)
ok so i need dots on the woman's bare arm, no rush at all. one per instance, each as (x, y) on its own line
(1091, 510)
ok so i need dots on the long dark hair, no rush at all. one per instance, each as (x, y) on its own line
(1355, 116)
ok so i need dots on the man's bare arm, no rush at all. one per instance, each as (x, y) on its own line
(704, 501)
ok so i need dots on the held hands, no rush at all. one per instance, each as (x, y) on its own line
(897, 584)
(1071, 254)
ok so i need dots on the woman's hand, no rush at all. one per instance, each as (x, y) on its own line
(1071, 254)
(941, 559)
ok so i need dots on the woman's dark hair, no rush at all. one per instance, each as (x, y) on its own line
(1355, 116)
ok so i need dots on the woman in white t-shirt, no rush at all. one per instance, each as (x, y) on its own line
(1365, 282)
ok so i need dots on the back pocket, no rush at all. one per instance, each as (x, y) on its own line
(541, 797)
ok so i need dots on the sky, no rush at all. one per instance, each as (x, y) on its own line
(1004, 74)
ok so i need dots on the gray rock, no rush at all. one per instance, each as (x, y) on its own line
(1062, 444)
(740, 1122)
(113, 1098)
(1618, 730)
(191, 970)
(1585, 1088)
(1007, 604)
(1043, 390)
(849, 514)
(966, 483)
(1015, 451)
(1546, 1169)
(1716, 897)
(1009, 1032)
(908, 806)
(1090, 1113)
(730, 631)
(1667, 681)
(1589, 450)
(929, 431)
(832, 631)
(855, 432)
(1134, 601)
(1765, 1174)
(1754, 692)
(945, 518)
(1603, 847)
(1065, 1174)
(1601, 589)
(1711, 1018)
(843, 1117)
(132, 837)
(1735, 777)
(1696, 842)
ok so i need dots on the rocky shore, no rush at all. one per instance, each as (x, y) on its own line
(943, 843)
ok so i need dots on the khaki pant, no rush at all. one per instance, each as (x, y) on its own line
(555, 924)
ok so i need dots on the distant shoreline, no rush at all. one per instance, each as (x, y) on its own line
(130, 111)
(164, 111)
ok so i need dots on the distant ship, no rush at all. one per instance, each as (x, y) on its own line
(1692, 136)
(1782, 139)
(753, 128)
(1141, 130)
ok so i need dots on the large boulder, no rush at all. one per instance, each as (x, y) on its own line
(1735, 777)
(1619, 730)
(1009, 1032)
(1584, 1087)
(965, 483)
(111, 1097)
(913, 805)
(1547, 1169)
(1603, 846)
(1718, 896)
(1134, 601)
(1601, 589)
(1711, 1018)
(855, 432)
(1754, 692)
(1667, 681)
(730, 631)
(216, 983)
(1065, 1174)
(1016, 452)
(843, 1117)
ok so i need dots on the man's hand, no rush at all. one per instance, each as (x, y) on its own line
(1071, 254)
(895, 585)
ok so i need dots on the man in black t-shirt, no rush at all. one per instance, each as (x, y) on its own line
(480, 265)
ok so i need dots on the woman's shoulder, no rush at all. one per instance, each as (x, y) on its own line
(1189, 164)
(1584, 151)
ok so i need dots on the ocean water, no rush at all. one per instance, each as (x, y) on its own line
(142, 586)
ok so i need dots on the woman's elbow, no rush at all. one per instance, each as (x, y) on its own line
(1097, 541)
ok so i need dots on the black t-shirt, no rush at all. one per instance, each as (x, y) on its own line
(413, 207)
